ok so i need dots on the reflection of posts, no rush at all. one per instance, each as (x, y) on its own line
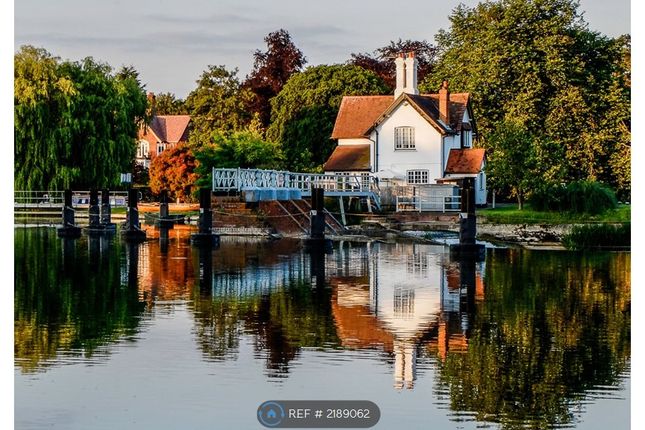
(133, 232)
(317, 266)
(69, 228)
(405, 364)
(69, 256)
(94, 251)
(467, 286)
(205, 237)
(133, 264)
(467, 247)
(205, 269)
(163, 239)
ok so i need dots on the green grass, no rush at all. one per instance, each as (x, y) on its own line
(598, 236)
(511, 215)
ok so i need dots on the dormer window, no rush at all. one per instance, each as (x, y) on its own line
(466, 136)
(404, 138)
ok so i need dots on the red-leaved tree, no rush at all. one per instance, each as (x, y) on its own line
(174, 171)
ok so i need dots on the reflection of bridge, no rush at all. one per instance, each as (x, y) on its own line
(283, 185)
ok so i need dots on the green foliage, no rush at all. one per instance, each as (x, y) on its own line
(174, 171)
(169, 104)
(244, 149)
(217, 104)
(598, 236)
(530, 215)
(537, 63)
(303, 113)
(75, 122)
(581, 197)
(520, 161)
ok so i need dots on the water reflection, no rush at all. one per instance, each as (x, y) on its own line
(521, 339)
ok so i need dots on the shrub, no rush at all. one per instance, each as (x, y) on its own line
(580, 197)
(598, 236)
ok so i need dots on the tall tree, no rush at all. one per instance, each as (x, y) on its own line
(169, 104)
(381, 61)
(538, 64)
(303, 114)
(75, 122)
(218, 103)
(271, 70)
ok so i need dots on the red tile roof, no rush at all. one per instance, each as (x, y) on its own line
(349, 158)
(170, 128)
(465, 161)
(357, 114)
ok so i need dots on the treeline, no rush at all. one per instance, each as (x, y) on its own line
(551, 99)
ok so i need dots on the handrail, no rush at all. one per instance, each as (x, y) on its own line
(429, 203)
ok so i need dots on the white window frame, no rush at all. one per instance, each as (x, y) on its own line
(143, 149)
(161, 147)
(404, 139)
(417, 176)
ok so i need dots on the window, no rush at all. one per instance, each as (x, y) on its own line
(466, 141)
(404, 138)
(143, 150)
(161, 147)
(417, 176)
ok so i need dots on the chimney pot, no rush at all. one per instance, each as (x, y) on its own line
(444, 103)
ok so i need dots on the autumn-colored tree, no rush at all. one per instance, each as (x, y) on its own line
(381, 61)
(174, 171)
(271, 70)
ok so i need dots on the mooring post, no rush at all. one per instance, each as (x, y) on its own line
(164, 213)
(69, 228)
(205, 235)
(316, 240)
(133, 231)
(468, 246)
(94, 210)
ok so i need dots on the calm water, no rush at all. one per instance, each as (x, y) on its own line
(162, 336)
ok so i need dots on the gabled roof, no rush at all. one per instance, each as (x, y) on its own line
(349, 158)
(465, 161)
(170, 128)
(359, 114)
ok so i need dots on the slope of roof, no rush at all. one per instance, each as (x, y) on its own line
(170, 128)
(349, 158)
(465, 161)
(357, 114)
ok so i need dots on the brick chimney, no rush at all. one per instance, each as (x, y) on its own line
(444, 103)
(406, 74)
(152, 104)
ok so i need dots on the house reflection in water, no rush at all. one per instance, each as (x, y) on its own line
(408, 296)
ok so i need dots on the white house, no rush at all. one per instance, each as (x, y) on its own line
(411, 139)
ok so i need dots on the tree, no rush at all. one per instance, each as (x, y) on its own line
(521, 161)
(537, 63)
(75, 122)
(218, 103)
(174, 171)
(381, 61)
(168, 104)
(271, 71)
(304, 112)
(244, 149)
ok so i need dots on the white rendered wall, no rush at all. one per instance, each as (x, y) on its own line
(427, 154)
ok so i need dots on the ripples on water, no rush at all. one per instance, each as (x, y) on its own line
(524, 339)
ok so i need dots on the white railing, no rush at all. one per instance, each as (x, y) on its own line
(55, 199)
(428, 203)
(240, 179)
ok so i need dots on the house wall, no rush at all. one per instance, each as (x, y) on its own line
(427, 154)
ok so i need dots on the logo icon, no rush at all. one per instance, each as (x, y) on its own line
(270, 414)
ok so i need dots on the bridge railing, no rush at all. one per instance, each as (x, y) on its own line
(56, 199)
(428, 203)
(238, 179)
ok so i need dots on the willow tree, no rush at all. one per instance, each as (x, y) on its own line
(75, 122)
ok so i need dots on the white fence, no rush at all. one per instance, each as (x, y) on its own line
(240, 179)
(428, 203)
(27, 200)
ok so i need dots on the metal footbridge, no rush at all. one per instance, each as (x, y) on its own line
(284, 185)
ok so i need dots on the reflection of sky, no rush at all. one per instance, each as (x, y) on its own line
(169, 386)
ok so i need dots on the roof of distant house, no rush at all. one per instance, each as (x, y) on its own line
(170, 128)
(358, 114)
(465, 161)
(349, 157)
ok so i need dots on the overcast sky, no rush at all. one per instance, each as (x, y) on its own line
(170, 42)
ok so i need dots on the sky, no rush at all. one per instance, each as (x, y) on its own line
(171, 42)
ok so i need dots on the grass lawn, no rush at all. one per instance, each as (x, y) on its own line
(511, 215)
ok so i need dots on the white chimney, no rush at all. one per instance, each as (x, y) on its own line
(411, 65)
(400, 76)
